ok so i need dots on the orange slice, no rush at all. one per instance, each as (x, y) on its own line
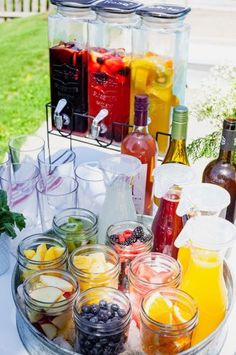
(180, 315)
(159, 308)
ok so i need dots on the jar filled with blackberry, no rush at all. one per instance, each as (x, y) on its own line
(129, 239)
(102, 318)
(67, 34)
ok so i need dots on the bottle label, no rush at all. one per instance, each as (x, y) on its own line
(139, 189)
(228, 140)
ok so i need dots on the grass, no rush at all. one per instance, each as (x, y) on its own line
(24, 78)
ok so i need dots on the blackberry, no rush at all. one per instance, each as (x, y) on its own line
(124, 71)
(131, 240)
(145, 238)
(138, 232)
(101, 77)
(100, 60)
(114, 238)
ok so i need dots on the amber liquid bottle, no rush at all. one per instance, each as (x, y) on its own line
(140, 144)
(222, 171)
(177, 149)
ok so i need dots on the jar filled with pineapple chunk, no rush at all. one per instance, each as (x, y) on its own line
(38, 252)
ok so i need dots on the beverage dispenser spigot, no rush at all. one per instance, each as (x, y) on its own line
(95, 127)
(61, 119)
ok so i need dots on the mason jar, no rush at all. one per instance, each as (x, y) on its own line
(38, 251)
(148, 272)
(161, 338)
(129, 239)
(67, 34)
(109, 74)
(109, 335)
(159, 64)
(105, 272)
(76, 226)
(48, 297)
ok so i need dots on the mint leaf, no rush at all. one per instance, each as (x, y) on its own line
(19, 220)
(3, 199)
(9, 230)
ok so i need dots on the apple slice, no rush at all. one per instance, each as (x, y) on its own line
(50, 330)
(34, 316)
(60, 321)
(46, 294)
(57, 282)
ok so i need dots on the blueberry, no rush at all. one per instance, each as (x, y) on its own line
(85, 309)
(89, 315)
(100, 60)
(88, 345)
(100, 322)
(104, 341)
(103, 316)
(103, 304)
(98, 346)
(121, 313)
(115, 307)
(94, 320)
(101, 77)
(124, 71)
(110, 314)
(94, 308)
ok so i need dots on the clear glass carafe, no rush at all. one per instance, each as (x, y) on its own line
(209, 237)
(159, 64)
(109, 78)
(118, 205)
(67, 32)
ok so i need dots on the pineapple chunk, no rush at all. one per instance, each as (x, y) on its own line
(29, 253)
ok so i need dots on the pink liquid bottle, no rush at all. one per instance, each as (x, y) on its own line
(166, 226)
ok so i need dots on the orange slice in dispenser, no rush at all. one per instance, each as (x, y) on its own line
(140, 81)
(180, 315)
(159, 308)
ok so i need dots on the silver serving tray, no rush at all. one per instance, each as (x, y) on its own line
(37, 344)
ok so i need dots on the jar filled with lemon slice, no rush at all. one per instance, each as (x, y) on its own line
(168, 318)
(95, 265)
(38, 252)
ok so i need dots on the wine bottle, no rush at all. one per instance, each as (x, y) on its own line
(140, 144)
(222, 171)
(177, 149)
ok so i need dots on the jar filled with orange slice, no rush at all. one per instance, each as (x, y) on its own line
(38, 252)
(95, 265)
(168, 318)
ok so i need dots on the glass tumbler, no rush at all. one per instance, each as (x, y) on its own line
(25, 148)
(91, 192)
(95, 265)
(37, 252)
(148, 272)
(53, 195)
(171, 338)
(76, 226)
(106, 329)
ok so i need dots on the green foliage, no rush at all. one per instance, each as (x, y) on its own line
(24, 79)
(9, 220)
(207, 146)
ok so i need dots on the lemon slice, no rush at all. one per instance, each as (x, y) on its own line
(180, 315)
(159, 308)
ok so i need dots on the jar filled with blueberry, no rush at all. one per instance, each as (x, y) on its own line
(128, 239)
(102, 317)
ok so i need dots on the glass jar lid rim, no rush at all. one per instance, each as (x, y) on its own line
(165, 11)
(73, 3)
(116, 6)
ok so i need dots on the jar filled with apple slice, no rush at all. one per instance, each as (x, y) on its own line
(38, 252)
(48, 298)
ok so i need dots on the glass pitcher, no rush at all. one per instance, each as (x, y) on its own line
(109, 75)
(159, 64)
(168, 182)
(200, 199)
(67, 33)
(209, 237)
(118, 205)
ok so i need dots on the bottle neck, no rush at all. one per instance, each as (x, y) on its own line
(141, 129)
(227, 146)
(179, 131)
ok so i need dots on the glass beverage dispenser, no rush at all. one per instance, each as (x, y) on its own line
(109, 76)
(67, 32)
(160, 53)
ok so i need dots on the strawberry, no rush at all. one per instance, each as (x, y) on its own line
(114, 64)
(93, 67)
(127, 233)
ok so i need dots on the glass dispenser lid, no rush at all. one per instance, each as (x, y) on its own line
(116, 6)
(163, 11)
(74, 3)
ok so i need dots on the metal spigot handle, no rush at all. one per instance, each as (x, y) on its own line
(61, 119)
(95, 128)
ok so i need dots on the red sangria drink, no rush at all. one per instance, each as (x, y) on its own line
(68, 73)
(148, 272)
(167, 224)
(109, 87)
(128, 239)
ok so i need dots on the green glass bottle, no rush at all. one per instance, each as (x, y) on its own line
(177, 149)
